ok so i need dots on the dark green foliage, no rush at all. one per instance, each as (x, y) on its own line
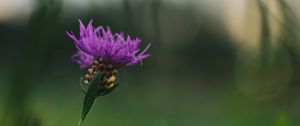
(95, 89)
(91, 95)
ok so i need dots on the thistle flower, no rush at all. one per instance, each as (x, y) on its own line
(102, 50)
(103, 53)
(101, 44)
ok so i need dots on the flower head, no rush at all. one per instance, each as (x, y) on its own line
(99, 43)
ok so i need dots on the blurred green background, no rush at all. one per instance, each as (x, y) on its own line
(213, 63)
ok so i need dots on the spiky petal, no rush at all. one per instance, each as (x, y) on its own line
(101, 44)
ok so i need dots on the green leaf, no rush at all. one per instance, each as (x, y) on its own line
(90, 96)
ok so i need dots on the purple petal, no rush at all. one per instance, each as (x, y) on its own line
(101, 43)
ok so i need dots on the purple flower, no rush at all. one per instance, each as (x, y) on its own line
(100, 44)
